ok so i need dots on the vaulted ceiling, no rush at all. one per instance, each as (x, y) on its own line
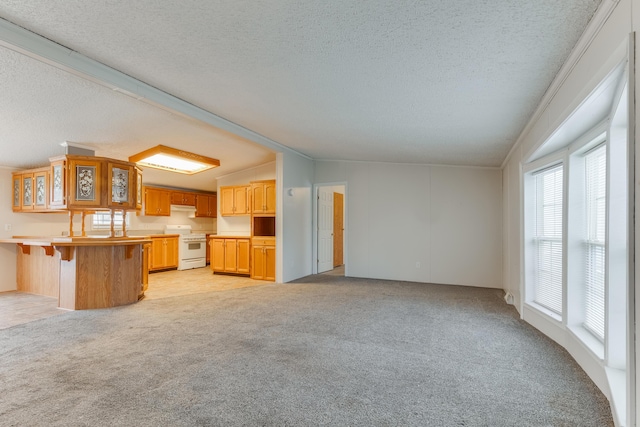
(400, 81)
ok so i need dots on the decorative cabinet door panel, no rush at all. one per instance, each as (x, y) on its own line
(85, 182)
(120, 182)
(41, 190)
(27, 192)
(58, 178)
(139, 192)
(16, 205)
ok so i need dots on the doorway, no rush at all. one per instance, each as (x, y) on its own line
(329, 233)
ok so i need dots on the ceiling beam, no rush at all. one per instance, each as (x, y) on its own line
(20, 40)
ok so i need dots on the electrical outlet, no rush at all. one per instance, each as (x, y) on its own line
(7, 227)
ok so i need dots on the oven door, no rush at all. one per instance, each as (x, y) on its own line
(193, 249)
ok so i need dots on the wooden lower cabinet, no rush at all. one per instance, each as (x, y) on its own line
(263, 259)
(230, 255)
(164, 253)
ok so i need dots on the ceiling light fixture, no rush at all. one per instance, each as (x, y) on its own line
(174, 160)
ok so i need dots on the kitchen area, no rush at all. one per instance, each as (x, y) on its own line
(178, 230)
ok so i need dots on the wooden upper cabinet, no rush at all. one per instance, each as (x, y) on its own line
(78, 183)
(157, 202)
(234, 200)
(85, 182)
(263, 197)
(206, 205)
(183, 198)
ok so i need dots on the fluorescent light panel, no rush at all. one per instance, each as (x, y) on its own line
(174, 160)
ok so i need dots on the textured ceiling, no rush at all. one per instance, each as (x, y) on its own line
(42, 106)
(404, 81)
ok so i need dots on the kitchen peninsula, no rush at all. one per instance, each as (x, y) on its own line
(82, 272)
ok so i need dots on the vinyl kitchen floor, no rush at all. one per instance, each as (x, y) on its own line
(17, 308)
(198, 280)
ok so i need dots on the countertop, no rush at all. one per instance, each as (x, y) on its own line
(76, 241)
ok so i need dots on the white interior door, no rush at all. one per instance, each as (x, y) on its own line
(325, 229)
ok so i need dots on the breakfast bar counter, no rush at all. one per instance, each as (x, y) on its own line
(82, 272)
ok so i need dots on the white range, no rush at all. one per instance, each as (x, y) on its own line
(192, 247)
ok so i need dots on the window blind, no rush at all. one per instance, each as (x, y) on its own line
(548, 239)
(596, 193)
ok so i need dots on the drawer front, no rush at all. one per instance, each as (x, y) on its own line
(263, 241)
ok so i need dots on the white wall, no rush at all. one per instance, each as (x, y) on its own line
(147, 224)
(447, 219)
(294, 249)
(241, 225)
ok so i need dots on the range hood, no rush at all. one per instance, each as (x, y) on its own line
(190, 210)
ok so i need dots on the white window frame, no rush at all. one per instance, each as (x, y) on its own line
(576, 244)
(530, 171)
(101, 220)
(595, 243)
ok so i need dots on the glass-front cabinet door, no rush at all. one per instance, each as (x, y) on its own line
(85, 182)
(139, 193)
(27, 192)
(40, 189)
(58, 183)
(16, 205)
(121, 185)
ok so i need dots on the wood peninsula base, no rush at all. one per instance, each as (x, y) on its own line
(83, 273)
